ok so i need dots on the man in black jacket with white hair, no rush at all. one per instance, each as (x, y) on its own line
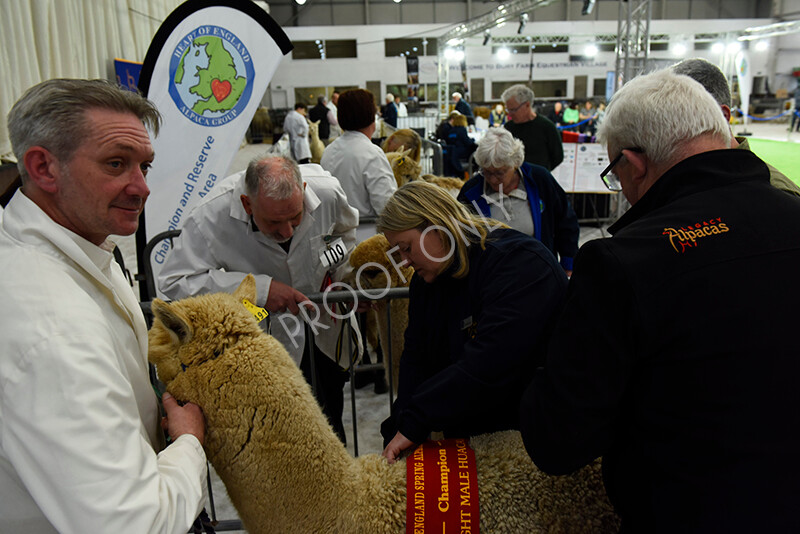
(684, 374)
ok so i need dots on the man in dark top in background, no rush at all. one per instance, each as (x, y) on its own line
(684, 375)
(463, 107)
(714, 81)
(326, 119)
(540, 136)
(389, 111)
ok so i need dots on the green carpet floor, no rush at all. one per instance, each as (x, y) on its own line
(783, 155)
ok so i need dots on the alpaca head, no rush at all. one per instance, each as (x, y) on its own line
(404, 167)
(371, 264)
(313, 129)
(188, 333)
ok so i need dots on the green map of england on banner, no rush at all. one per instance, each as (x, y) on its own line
(210, 70)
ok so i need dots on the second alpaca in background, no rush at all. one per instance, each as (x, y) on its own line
(317, 146)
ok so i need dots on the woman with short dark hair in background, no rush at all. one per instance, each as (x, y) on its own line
(360, 165)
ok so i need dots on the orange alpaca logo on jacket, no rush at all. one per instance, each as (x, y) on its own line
(687, 237)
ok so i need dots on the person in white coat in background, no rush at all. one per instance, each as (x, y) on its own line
(296, 125)
(81, 438)
(359, 164)
(275, 220)
(332, 104)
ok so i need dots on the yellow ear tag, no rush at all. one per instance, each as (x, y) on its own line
(259, 313)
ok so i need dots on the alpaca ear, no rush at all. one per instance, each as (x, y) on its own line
(247, 289)
(173, 320)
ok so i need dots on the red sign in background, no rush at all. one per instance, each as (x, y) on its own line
(442, 489)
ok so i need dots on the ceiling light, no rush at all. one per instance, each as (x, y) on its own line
(762, 45)
(300, 2)
(718, 48)
(449, 53)
(459, 55)
(503, 54)
(486, 36)
(590, 50)
(679, 49)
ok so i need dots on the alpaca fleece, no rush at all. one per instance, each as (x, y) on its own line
(374, 250)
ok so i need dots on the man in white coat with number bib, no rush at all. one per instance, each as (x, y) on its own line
(292, 227)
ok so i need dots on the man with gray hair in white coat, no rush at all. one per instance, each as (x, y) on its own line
(276, 220)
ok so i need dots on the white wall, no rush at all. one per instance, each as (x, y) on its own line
(371, 64)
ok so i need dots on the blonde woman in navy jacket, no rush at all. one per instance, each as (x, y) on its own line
(481, 305)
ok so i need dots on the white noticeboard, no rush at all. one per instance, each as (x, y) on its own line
(581, 168)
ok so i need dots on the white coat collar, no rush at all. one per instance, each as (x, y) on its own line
(27, 223)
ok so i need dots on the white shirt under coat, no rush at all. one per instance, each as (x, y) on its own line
(219, 246)
(79, 421)
(363, 170)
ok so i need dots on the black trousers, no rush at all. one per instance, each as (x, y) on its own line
(330, 381)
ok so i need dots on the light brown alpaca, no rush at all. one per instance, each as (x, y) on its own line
(448, 183)
(406, 170)
(317, 146)
(287, 472)
(374, 250)
(404, 167)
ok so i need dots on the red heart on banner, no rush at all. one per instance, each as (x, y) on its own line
(221, 89)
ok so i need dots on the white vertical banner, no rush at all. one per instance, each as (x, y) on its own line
(745, 78)
(206, 70)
